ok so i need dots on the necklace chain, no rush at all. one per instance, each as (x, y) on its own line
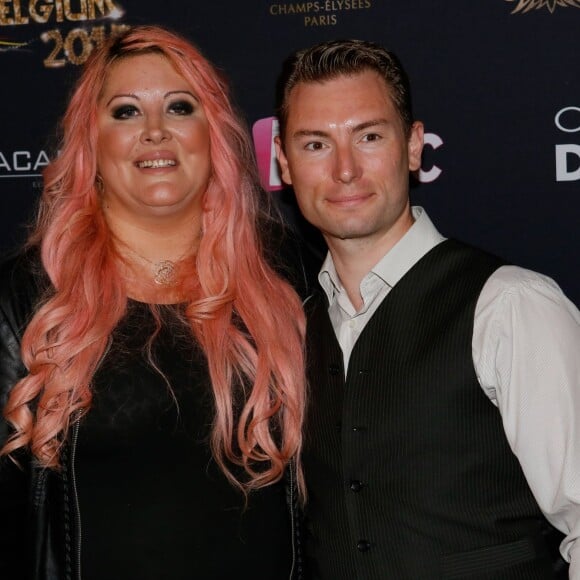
(164, 271)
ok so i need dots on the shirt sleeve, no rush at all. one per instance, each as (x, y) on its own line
(526, 351)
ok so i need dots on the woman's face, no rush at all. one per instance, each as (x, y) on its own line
(153, 150)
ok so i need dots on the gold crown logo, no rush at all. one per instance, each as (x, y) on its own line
(524, 6)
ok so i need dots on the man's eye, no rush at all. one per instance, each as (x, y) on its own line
(314, 146)
(125, 112)
(181, 108)
(371, 137)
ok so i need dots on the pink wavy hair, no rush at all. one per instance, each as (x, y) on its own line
(70, 331)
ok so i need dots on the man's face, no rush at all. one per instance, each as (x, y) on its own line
(348, 158)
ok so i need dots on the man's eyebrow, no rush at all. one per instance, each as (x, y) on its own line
(309, 133)
(354, 129)
(368, 125)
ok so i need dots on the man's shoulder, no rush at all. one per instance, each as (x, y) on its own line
(453, 262)
(515, 283)
(468, 251)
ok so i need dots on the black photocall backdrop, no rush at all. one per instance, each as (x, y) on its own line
(496, 82)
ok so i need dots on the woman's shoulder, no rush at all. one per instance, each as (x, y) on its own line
(22, 282)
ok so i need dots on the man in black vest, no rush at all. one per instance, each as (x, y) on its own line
(443, 431)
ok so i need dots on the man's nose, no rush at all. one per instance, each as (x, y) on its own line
(346, 167)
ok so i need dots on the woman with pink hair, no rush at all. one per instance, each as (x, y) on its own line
(151, 363)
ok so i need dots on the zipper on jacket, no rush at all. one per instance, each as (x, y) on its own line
(77, 516)
(292, 522)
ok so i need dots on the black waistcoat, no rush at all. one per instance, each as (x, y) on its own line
(408, 468)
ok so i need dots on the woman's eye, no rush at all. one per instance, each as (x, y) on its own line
(125, 112)
(181, 108)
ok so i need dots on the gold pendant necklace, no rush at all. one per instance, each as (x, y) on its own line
(164, 271)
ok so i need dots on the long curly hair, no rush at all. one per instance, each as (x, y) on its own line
(247, 319)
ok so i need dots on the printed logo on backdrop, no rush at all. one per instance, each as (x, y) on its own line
(266, 130)
(524, 6)
(318, 12)
(567, 121)
(69, 32)
(92, 21)
(23, 163)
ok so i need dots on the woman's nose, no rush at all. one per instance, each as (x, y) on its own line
(155, 130)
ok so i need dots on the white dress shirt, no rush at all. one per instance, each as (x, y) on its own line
(526, 353)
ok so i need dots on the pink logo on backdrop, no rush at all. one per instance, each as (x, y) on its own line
(264, 131)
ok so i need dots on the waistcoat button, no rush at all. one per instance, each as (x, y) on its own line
(363, 546)
(334, 369)
(356, 485)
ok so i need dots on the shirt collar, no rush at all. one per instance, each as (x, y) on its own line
(328, 278)
(419, 239)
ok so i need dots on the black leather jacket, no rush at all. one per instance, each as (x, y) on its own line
(25, 492)
(40, 532)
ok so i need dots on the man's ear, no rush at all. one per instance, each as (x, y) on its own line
(282, 161)
(415, 145)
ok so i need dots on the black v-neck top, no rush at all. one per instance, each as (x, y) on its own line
(153, 503)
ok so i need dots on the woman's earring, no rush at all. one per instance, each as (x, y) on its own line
(99, 185)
